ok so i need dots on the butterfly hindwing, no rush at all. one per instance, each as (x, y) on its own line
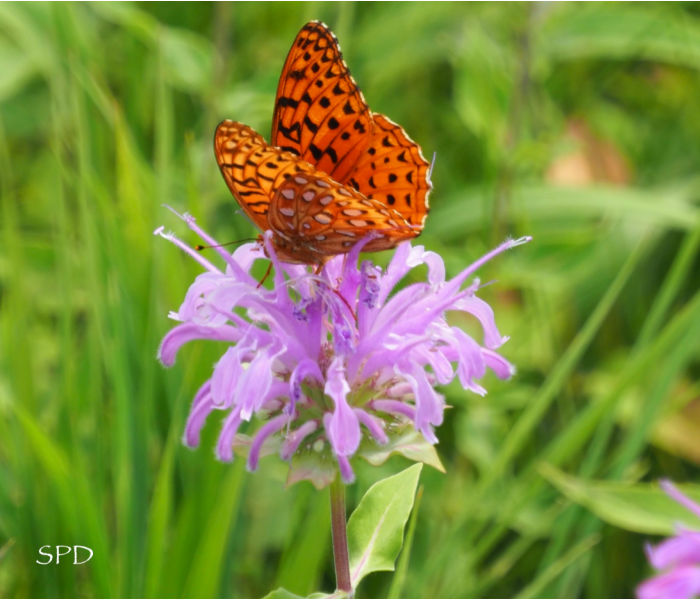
(312, 215)
(250, 167)
(315, 213)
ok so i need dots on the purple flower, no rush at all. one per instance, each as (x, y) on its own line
(678, 557)
(335, 363)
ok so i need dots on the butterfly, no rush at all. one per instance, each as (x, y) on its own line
(334, 171)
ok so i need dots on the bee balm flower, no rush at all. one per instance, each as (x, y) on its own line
(335, 363)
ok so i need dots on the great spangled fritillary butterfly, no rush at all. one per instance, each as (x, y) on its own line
(334, 170)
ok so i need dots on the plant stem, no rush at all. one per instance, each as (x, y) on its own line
(340, 538)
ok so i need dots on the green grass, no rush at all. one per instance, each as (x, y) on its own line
(107, 111)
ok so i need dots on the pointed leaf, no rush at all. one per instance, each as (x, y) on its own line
(410, 444)
(641, 507)
(375, 528)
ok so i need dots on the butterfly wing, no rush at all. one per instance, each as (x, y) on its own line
(317, 216)
(311, 215)
(334, 172)
(393, 171)
(320, 113)
(250, 167)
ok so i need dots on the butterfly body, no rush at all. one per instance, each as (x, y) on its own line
(334, 171)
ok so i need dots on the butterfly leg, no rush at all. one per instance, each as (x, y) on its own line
(321, 263)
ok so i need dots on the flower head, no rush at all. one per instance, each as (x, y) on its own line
(336, 363)
(678, 557)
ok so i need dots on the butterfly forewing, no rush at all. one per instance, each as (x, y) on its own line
(320, 113)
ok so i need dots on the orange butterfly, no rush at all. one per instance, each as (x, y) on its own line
(334, 170)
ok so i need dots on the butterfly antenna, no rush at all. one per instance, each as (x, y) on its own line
(264, 277)
(432, 165)
(199, 247)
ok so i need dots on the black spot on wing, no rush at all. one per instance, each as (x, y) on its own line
(316, 152)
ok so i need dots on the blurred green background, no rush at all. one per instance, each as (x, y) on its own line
(578, 124)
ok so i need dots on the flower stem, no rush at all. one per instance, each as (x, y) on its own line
(340, 538)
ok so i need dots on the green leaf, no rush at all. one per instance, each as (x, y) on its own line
(281, 593)
(375, 528)
(410, 444)
(312, 466)
(642, 507)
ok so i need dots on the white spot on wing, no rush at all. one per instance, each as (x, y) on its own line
(353, 212)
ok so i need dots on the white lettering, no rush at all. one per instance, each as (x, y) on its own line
(59, 554)
(75, 551)
(41, 551)
(63, 550)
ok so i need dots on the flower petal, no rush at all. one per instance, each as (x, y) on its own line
(394, 407)
(342, 426)
(294, 438)
(305, 368)
(429, 404)
(346, 472)
(181, 334)
(224, 445)
(202, 405)
(482, 311)
(227, 371)
(682, 582)
(272, 426)
(682, 549)
(255, 382)
(373, 424)
(499, 365)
